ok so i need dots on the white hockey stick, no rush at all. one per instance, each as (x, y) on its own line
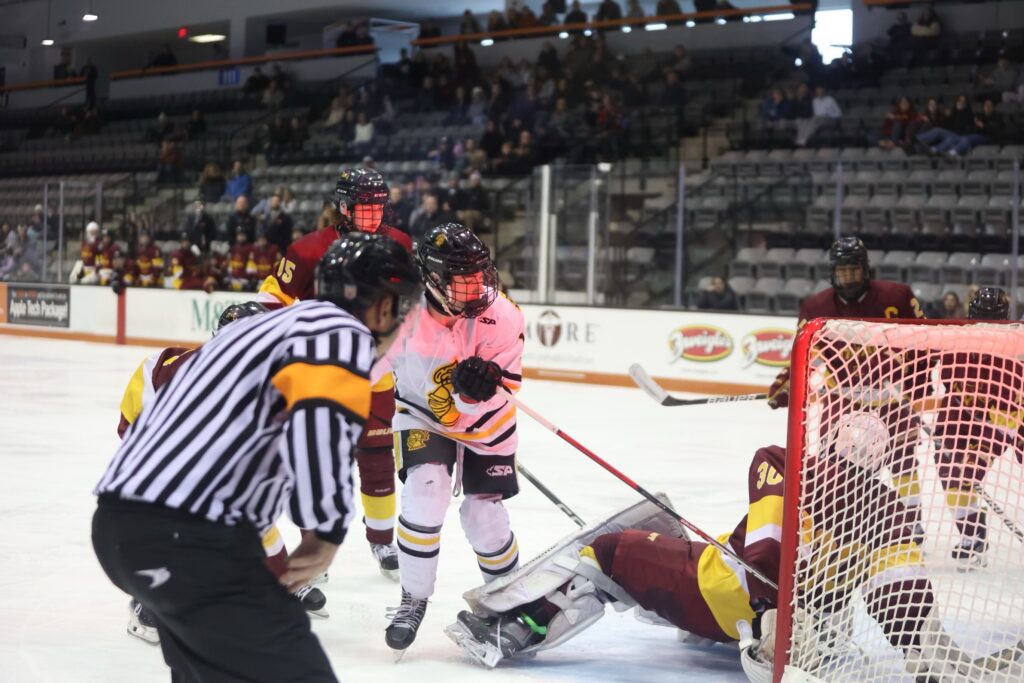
(658, 393)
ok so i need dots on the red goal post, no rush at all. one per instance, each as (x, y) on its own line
(943, 396)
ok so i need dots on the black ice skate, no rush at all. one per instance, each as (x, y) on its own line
(405, 622)
(313, 600)
(387, 559)
(490, 639)
(141, 623)
(970, 554)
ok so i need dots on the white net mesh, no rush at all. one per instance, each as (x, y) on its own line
(910, 557)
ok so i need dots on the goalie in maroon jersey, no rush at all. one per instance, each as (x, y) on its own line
(981, 415)
(700, 590)
(360, 200)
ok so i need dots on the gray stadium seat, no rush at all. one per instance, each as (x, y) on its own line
(745, 262)
(759, 298)
(895, 264)
(927, 293)
(957, 269)
(793, 292)
(993, 269)
(774, 262)
(805, 262)
(927, 267)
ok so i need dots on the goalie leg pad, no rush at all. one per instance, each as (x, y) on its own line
(541, 576)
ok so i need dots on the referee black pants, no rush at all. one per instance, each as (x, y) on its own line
(221, 615)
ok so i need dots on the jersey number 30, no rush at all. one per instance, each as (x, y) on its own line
(767, 473)
(285, 269)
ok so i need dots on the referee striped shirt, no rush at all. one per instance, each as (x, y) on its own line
(263, 418)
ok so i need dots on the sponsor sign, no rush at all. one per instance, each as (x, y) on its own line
(564, 337)
(699, 343)
(770, 347)
(45, 305)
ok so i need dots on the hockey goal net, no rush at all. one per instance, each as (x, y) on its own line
(903, 536)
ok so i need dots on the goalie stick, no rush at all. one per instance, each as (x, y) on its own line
(710, 540)
(658, 393)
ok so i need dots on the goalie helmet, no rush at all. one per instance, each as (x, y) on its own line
(358, 269)
(456, 266)
(861, 439)
(363, 194)
(237, 312)
(989, 303)
(849, 251)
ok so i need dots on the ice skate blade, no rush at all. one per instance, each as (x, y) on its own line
(392, 574)
(484, 653)
(398, 654)
(319, 580)
(322, 613)
(146, 636)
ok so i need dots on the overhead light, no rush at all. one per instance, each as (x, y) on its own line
(656, 27)
(691, 23)
(627, 29)
(755, 18)
(89, 16)
(46, 42)
(487, 42)
(746, 19)
(798, 62)
(563, 35)
(785, 16)
(207, 38)
(720, 21)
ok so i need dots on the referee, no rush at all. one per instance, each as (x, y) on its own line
(261, 420)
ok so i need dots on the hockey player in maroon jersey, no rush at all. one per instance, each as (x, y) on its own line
(238, 278)
(105, 252)
(149, 262)
(186, 269)
(264, 257)
(84, 271)
(698, 589)
(855, 295)
(360, 199)
(981, 415)
(154, 372)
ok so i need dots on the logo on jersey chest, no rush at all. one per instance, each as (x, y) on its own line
(442, 400)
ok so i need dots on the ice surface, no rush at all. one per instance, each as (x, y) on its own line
(61, 620)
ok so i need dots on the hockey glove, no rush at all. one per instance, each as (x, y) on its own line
(778, 394)
(476, 378)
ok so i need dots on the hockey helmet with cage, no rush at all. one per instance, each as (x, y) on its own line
(989, 303)
(849, 251)
(358, 269)
(237, 312)
(456, 266)
(363, 194)
(861, 438)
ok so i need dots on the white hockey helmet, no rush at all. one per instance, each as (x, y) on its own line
(92, 230)
(861, 439)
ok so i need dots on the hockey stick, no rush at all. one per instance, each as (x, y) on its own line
(635, 486)
(658, 393)
(549, 494)
(1000, 512)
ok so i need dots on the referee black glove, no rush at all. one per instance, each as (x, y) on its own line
(476, 378)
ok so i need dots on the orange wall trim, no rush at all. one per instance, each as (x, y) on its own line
(579, 377)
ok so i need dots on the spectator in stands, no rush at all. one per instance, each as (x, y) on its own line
(775, 110)
(22, 262)
(680, 61)
(90, 74)
(363, 134)
(924, 35)
(37, 224)
(719, 296)
(960, 122)
(476, 205)
(240, 219)
(673, 94)
(161, 130)
(575, 15)
(212, 185)
(164, 58)
(469, 24)
(548, 15)
(239, 183)
(278, 75)
(65, 123)
(200, 226)
(807, 58)
(443, 155)
(263, 258)
(951, 308)
(666, 8)
(898, 127)
(196, 126)
(63, 68)
(428, 216)
(277, 224)
(401, 207)
(899, 40)
(430, 29)
(256, 83)
(634, 10)
(273, 96)
(826, 115)
(496, 22)
(5, 234)
(1000, 81)
(170, 163)
(608, 10)
(185, 271)
(147, 262)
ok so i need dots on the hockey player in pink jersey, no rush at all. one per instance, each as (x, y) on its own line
(453, 429)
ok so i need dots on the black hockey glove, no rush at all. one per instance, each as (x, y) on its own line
(476, 378)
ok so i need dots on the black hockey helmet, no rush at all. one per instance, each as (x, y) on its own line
(989, 303)
(363, 193)
(358, 269)
(237, 312)
(458, 272)
(849, 251)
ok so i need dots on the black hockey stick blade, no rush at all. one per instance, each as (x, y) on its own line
(658, 393)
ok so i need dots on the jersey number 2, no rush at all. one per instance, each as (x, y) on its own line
(285, 269)
(767, 473)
